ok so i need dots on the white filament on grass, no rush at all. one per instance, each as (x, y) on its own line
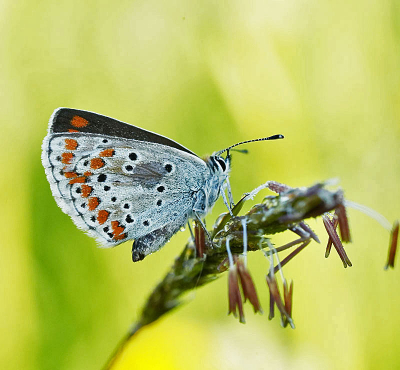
(244, 241)
(369, 212)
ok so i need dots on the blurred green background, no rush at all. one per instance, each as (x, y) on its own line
(207, 74)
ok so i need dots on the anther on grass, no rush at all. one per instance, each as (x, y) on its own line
(344, 228)
(394, 236)
(199, 240)
(239, 273)
(277, 300)
(249, 290)
(330, 240)
(271, 305)
(288, 296)
(330, 229)
(235, 298)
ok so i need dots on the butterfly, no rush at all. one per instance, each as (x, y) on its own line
(119, 182)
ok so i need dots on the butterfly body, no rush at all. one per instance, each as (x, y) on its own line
(119, 182)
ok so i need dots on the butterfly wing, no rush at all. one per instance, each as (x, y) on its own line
(75, 120)
(151, 242)
(114, 182)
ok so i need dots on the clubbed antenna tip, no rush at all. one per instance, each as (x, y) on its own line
(273, 137)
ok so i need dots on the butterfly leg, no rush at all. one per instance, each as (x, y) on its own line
(203, 226)
(226, 202)
(229, 191)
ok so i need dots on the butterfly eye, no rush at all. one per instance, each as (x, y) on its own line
(221, 162)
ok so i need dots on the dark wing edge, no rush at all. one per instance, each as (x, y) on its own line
(68, 120)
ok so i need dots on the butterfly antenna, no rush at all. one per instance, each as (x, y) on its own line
(273, 137)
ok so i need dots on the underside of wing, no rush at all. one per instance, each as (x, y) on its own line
(153, 241)
(118, 189)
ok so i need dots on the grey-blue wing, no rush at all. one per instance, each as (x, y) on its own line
(118, 189)
(153, 241)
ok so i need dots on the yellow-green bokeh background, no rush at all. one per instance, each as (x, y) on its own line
(326, 74)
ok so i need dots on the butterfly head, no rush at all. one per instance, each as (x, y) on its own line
(219, 171)
(219, 165)
(220, 168)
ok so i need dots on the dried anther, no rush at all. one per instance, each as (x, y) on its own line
(288, 296)
(238, 273)
(394, 236)
(199, 240)
(343, 223)
(330, 229)
(329, 245)
(271, 306)
(235, 298)
(275, 298)
(249, 290)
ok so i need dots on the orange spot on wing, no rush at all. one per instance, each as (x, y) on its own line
(117, 230)
(93, 203)
(78, 121)
(70, 175)
(96, 163)
(72, 130)
(107, 153)
(86, 190)
(87, 173)
(78, 180)
(102, 216)
(66, 158)
(119, 237)
(71, 144)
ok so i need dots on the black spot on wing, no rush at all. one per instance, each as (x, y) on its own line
(129, 219)
(99, 124)
(102, 178)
